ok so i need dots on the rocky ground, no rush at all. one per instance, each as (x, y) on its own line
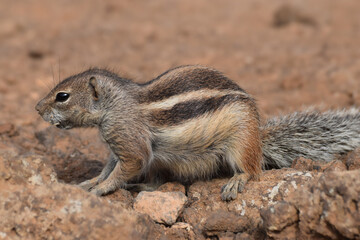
(289, 54)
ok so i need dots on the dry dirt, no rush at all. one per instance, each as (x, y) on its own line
(290, 55)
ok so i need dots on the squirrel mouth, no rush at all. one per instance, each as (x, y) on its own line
(58, 125)
(61, 125)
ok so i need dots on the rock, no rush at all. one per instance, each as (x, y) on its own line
(289, 14)
(36, 53)
(180, 230)
(280, 217)
(123, 197)
(74, 158)
(226, 236)
(65, 212)
(327, 208)
(8, 129)
(352, 159)
(172, 187)
(15, 169)
(334, 166)
(274, 186)
(162, 207)
(303, 164)
(224, 221)
(8, 147)
(244, 236)
(36, 206)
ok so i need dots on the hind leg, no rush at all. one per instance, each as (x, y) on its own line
(244, 156)
(152, 181)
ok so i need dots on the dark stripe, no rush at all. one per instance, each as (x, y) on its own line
(163, 74)
(191, 109)
(190, 79)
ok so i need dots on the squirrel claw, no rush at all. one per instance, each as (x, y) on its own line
(229, 191)
(87, 185)
(104, 188)
(236, 184)
(98, 192)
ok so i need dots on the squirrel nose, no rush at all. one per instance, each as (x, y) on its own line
(38, 106)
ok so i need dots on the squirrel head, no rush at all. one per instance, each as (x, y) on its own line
(76, 101)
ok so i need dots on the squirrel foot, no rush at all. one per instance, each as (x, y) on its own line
(102, 190)
(88, 184)
(107, 186)
(236, 184)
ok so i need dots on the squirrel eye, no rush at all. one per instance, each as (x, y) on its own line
(62, 97)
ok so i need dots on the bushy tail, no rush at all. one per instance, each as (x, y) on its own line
(313, 135)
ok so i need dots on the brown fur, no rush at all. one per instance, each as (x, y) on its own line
(184, 79)
(191, 109)
(189, 123)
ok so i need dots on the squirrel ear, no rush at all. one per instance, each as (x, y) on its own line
(93, 83)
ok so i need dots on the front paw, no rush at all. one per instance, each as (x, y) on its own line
(97, 192)
(107, 187)
(102, 190)
(87, 185)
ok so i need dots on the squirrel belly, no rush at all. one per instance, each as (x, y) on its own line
(190, 123)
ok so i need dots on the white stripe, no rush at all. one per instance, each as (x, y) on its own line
(193, 95)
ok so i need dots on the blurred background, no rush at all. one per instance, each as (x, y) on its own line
(288, 54)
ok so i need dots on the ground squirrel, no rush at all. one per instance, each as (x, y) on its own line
(190, 123)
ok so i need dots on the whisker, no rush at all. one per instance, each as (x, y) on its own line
(53, 76)
(46, 85)
(59, 79)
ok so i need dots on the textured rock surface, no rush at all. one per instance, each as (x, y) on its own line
(34, 205)
(180, 230)
(281, 218)
(327, 208)
(223, 221)
(352, 160)
(66, 212)
(172, 187)
(162, 207)
(205, 202)
(8, 129)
